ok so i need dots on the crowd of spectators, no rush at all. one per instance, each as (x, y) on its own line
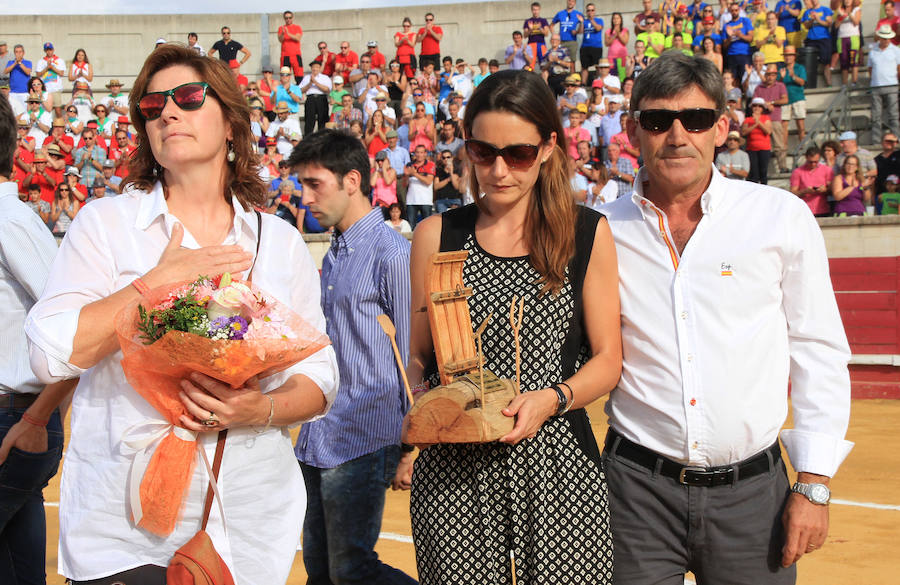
(407, 107)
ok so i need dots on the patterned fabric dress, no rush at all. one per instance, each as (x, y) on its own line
(545, 498)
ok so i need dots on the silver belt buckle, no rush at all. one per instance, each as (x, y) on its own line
(686, 469)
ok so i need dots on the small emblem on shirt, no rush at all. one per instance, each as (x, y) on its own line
(726, 269)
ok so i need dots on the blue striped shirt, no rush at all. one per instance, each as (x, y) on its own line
(364, 274)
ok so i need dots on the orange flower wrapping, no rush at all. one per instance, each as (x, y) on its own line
(155, 372)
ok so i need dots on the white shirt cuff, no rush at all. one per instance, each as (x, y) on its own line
(816, 453)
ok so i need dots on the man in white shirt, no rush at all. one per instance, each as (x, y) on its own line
(52, 69)
(725, 295)
(315, 86)
(116, 102)
(461, 81)
(18, 109)
(884, 57)
(282, 127)
(29, 419)
(40, 119)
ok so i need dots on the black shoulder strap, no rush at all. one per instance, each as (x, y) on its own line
(258, 240)
(585, 227)
(456, 225)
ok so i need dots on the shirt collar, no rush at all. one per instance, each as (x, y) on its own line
(9, 189)
(711, 199)
(153, 205)
(357, 233)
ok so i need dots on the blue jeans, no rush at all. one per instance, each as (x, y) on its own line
(23, 527)
(343, 519)
(442, 205)
(416, 213)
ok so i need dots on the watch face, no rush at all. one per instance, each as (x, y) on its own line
(818, 493)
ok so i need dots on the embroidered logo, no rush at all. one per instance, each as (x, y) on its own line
(726, 269)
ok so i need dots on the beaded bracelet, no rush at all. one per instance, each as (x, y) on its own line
(38, 422)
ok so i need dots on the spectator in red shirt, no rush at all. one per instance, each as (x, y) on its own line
(345, 61)
(58, 137)
(405, 41)
(73, 178)
(430, 36)
(327, 59)
(241, 80)
(891, 19)
(289, 35)
(41, 177)
(120, 153)
(267, 85)
(378, 60)
(24, 157)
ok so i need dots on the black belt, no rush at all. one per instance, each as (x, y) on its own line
(691, 475)
(16, 401)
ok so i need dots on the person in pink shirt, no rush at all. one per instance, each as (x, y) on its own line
(811, 181)
(630, 151)
(575, 133)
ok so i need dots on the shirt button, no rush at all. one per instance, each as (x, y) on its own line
(690, 357)
(330, 287)
(694, 445)
(684, 315)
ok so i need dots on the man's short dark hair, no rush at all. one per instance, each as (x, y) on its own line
(286, 12)
(8, 134)
(517, 33)
(336, 150)
(316, 62)
(673, 73)
(813, 151)
(193, 34)
(224, 28)
(447, 58)
(450, 123)
(34, 187)
(533, 4)
(427, 14)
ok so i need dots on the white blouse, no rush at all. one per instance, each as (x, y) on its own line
(109, 244)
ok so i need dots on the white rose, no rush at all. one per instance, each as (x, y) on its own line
(226, 302)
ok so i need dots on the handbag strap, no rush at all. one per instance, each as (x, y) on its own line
(258, 240)
(217, 464)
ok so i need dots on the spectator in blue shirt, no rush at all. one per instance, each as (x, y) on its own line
(311, 225)
(569, 21)
(592, 39)
(789, 12)
(518, 54)
(817, 20)
(737, 34)
(350, 456)
(288, 92)
(19, 71)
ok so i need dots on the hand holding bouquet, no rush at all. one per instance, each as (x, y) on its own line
(226, 329)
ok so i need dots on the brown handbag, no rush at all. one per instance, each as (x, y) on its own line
(197, 562)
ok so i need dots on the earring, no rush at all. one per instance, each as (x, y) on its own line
(231, 155)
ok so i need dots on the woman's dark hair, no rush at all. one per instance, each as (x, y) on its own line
(612, 20)
(242, 180)
(56, 192)
(834, 146)
(75, 56)
(337, 151)
(550, 224)
(39, 80)
(396, 205)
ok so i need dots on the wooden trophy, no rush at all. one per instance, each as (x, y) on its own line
(466, 407)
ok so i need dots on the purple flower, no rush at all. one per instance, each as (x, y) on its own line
(228, 327)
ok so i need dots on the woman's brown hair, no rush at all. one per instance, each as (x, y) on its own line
(550, 223)
(243, 179)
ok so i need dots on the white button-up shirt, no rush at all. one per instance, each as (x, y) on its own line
(26, 251)
(712, 335)
(109, 244)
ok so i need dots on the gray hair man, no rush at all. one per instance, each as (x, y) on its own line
(734, 299)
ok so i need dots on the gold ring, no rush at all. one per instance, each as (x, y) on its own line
(211, 421)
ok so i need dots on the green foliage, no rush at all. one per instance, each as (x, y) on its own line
(185, 315)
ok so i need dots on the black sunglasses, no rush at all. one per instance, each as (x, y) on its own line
(693, 119)
(516, 156)
(188, 97)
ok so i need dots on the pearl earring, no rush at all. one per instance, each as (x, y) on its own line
(231, 155)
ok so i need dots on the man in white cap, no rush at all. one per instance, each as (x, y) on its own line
(316, 86)
(733, 163)
(288, 92)
(378, 60)
(849, 146)
(884, 58)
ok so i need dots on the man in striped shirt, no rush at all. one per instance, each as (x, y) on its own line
(350, 456)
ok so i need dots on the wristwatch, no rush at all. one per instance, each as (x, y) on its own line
(817, 493)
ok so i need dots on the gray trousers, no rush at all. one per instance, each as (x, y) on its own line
(727, 534)
(884, 98)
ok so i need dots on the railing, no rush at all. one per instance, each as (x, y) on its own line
(837, 118)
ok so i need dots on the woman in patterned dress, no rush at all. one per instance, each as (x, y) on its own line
(540, 492)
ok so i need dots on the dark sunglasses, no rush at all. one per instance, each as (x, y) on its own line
(693, 119)
(516, 156)
(188, 97)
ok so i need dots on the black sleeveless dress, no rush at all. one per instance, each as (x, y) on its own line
(545, 498)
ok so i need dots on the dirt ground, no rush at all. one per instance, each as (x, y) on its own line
(862, 543)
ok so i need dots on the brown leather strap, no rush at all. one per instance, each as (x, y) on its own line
(217, 463)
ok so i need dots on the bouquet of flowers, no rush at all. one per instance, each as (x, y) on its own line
(224, 328)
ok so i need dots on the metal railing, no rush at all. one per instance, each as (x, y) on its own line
(837, 118)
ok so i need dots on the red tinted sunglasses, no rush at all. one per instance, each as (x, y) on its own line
(516, 156)
(188, 97)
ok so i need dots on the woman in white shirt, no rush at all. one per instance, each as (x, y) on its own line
(187, 211)
(81, 68)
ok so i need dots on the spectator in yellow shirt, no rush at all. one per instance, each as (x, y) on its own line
(769, 39)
